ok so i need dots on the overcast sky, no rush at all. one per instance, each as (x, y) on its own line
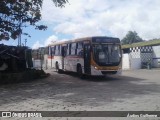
(114, 18)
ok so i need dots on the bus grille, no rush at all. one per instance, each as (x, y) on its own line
(109, 72)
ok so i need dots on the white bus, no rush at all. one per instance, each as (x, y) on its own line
(90, 56)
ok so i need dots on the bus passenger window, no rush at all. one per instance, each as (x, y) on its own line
(57, 49)
(73, 48)
(49, 50)
(64, 51)
(53, 50)
(80, 52)
(80, 49)
(68, 49)
(80, 45)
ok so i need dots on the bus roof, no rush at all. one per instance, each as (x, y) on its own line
(85, 38)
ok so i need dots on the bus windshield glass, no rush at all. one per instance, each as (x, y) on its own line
(107, 54)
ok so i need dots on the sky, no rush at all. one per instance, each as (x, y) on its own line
(82, 18)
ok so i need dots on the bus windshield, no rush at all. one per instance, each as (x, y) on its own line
(107, 54)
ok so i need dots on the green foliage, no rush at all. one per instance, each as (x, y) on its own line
(131, 37)
(18, 14)
(60, 3)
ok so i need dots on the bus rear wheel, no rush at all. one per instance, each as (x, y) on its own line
(57, 68)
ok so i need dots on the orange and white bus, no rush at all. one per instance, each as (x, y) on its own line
(87, 56)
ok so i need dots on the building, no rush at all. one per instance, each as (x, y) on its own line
(141, 55)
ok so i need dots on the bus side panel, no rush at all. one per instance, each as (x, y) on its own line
(57, 59)
(70, 63)
(49, 64)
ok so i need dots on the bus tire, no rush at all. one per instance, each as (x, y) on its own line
(57, 68)
(79, 72)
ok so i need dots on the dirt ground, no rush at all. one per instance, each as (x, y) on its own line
(134, 90)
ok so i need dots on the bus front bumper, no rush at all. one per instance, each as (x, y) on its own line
(95, 71)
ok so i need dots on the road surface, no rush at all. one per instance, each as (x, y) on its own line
(134, 90)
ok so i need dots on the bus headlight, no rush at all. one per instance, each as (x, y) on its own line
(96, 68)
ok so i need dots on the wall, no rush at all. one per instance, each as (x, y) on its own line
(37, 63)
(131, 60)
(135, 58)
(156, 56)
(45, 63)
(125, 62)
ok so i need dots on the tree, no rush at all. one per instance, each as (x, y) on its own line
(131, 37)
(18, 14)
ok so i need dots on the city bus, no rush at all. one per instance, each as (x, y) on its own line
(87, 56)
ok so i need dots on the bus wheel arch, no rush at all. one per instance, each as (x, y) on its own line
(79, 70)
(57, 66)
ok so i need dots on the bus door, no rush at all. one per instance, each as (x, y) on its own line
(64, 52)
(87, 59)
